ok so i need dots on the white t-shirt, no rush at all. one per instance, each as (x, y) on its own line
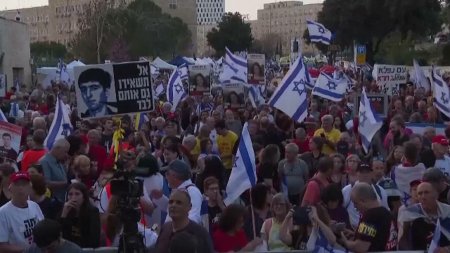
(443, 165)
(17, 223)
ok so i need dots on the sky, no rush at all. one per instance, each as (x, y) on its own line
(243, 6)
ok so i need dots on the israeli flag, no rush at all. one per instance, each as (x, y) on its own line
(255, 96)
(436, 237)
(184, 72)
(175, 90)
(234, 69)
(141, 119)
(14, 110)
(2, 116)
(369, 123)
(17, 85)
(318, 33)
(321, 243)
(290, 95)
(154, 70)
(61, 126)
(159, 90)
(243, 173)
(62, 71)
(441, 93)
(420, 80)
(329, 88)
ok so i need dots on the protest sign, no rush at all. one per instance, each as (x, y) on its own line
(112, 89)
(234, 95)
(378, 102)
(199, 80)
(389, 77)
(10, 140)
(2, 85)
(256, 69)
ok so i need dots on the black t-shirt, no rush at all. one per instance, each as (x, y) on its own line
(374, 227)
(214, 213)
(8, 153)
(422, 232)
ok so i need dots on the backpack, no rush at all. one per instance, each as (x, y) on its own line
(319, 183)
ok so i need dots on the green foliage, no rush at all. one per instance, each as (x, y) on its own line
(445, 61)
(48, 50)
(372, 21)
(140, 29)
(232, 32)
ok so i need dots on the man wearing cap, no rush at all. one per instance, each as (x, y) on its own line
(436, 177)
(18, 216)
(440, 149)
(178, 176)
(364, 175)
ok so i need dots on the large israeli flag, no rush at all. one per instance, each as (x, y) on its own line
(318, 33)
(290, 95)
(61, 126)
(234, 69)
(330, 88)
(243, 173)
(184, 72)
(441, 93)
(369, 123)
(175, 90)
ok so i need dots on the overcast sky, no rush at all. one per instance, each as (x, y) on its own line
(242, 6)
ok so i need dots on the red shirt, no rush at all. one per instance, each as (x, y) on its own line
(224, 242)
(97, 153)
(303, 146)
(30, 157)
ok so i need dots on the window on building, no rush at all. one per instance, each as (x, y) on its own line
(173, 4)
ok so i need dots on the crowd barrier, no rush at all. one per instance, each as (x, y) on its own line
(114, 250)
(101, 250)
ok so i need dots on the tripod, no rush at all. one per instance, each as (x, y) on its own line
(131, 241)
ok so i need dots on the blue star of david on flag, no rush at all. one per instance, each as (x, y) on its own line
(178, 88)
(444, 98)
(297, 88)
(236, 158)
(362, 119)
(331, 85)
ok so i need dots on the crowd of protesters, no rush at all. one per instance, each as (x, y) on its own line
(314, 179)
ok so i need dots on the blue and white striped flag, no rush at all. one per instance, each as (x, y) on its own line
(290, 95)
(243, 173)
(175, 90)
(184, 71)
(329, 88)
(369, 123)
(420, 80)
(441, 93)
(141, 119)
(255, 96)
(436, 237)
(61, 126)
(2, 116)
(14, 110)
(62, 71)
(234, 69)
(322, 245)
(318, 33)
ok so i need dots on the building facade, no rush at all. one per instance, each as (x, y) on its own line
(287, 20)
(15, 52)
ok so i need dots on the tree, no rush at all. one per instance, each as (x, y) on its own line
(372, 21)
(48, 49)
(232, 32)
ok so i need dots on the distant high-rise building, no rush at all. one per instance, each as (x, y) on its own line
(210, 12)
(285, 20)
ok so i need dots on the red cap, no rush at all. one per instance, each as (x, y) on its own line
(19, 176)
(415, 183)
(440, 139)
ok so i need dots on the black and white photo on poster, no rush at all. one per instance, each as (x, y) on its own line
(112, 89)
(256, 69)
(199, 80)
(234, 95)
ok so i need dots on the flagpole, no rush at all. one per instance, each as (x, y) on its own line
(253, 214)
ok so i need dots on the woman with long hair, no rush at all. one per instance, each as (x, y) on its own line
(270, 231)
(394, 158)
(338, 169)
(351, 164)
(79, 219)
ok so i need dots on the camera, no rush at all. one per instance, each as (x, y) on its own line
(301, 215)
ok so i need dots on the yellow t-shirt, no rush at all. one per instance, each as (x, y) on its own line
(196, 151)
(334, 135)
(225, 145)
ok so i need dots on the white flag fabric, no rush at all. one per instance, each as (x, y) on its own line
(441, 93)
(175, 89)
(243, 173)
(255, 96)
(403, 176)
(329, 88)
(61, 126)
(318, 33)
(184, 72)
(420, 80)
(369, 123)
(436, 237)
(63, 73)
(2, 116)
(14, 110)
(159, 90)
(234, 69)
(154, 70)
(290, 95)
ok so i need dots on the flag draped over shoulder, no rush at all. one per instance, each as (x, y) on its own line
(61, 126)
(330, 88)
(318, 33)
(243, 173)
(175, 89)
(234, 69)
(441, 93)
(369, 123)
(403, 176)
(290, 95)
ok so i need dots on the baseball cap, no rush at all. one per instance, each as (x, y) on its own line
(415, 183)
(19, 176)
(433, 175)
(440, 139)
(364, 167)
(180, 168)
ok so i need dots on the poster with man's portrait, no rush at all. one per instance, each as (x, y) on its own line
(113, 89)
(256, 69)
(234, 95)
(10, 141)
(199, 80)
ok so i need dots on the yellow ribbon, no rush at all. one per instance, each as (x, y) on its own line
(117, 138)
